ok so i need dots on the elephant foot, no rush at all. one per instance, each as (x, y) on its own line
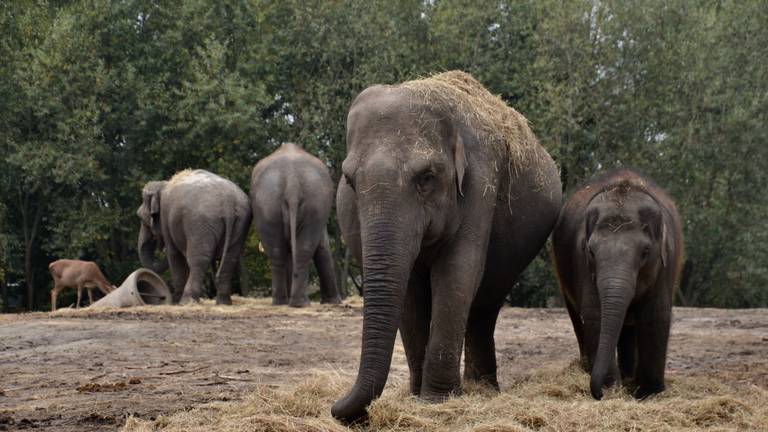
(486, 380)
(439, 397)
(299, 302)
(279, 301)
(333, 300)
(644, 392)
(223, 300)
(188, 300)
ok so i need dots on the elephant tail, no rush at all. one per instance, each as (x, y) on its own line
(292, 210)
(229, 232)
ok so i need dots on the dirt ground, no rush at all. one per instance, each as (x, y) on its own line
(89, 370)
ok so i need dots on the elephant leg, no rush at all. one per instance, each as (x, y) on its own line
(227, 268)
(578, 330)
(479, 348)
(591, 340)
(281, 274)
(179, 271)
(299, 281)
(627, 352)
(652, 339)
(323, 259)
(288, 278)
(195, 286)
(414, 325)
(455, 278)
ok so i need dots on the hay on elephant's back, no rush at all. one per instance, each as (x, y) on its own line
(499, 125)
(181, 176)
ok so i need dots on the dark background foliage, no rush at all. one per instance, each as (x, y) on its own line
(98, 97)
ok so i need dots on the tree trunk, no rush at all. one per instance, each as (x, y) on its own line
(4, 288)
(30, 232)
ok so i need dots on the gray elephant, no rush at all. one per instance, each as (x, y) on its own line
(199, 218)
(292, 194)
(618, 248)
(446, 197)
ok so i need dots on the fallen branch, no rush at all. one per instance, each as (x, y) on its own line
(183, 371)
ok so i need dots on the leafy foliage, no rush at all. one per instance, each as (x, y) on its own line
(100, 97)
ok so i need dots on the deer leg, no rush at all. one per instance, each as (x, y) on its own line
(90, 295)
(54, 294)
(79, 296)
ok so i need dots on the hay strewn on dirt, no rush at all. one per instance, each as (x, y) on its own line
(205, 307)
(501, 126)
(549, 400)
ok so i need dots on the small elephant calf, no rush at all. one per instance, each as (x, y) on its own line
(618, 247)
(77, 274)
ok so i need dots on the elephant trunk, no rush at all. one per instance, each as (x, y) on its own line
(616, 291)
(389, 250)
(147, 246)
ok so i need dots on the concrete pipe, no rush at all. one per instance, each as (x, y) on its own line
(142, 287)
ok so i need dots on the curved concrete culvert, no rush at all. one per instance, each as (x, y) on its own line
(140, 288)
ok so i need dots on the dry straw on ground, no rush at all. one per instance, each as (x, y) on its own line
(205, 308)
(549, 400)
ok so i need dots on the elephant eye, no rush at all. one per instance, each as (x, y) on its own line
(350, 182)
(425, 182)
(646, 251)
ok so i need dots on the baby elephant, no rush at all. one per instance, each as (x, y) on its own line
(618, 247)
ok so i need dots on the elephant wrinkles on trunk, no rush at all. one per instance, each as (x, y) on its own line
(446, 197)
(618, 248)
(292, 194)
(199, 218)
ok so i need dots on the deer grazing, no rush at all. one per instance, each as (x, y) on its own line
(77, 274)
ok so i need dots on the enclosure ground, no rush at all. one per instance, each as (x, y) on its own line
(89, 370)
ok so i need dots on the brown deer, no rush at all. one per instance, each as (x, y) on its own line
(77, 274)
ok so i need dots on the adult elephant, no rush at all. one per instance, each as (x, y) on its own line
(292, 194)
(199, 217)
(618, 248)
(446, 197)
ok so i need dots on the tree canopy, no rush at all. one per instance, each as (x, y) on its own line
(99, 97)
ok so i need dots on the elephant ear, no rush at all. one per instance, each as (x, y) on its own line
(459, 161)
(154, 211)
(664, 246)
(154, 204)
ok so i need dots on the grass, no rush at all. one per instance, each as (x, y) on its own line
(547, 400)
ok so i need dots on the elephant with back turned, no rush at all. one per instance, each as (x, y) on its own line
(199, 218)
(446, 197)
(618, 248)
(292, 194)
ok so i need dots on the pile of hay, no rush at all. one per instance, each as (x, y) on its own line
(500, 125)
(549, 400)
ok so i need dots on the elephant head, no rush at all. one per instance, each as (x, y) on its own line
(150, 235)
(625, 246)
(404, 171)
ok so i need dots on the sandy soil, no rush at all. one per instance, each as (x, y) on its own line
(88, 370)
